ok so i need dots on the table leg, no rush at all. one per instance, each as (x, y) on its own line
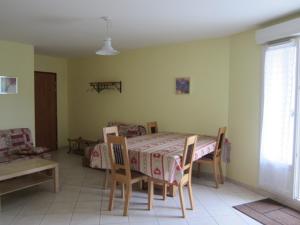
(140, 185)
(107, 176)
(172, 190)
(56, 179)
(150, 194)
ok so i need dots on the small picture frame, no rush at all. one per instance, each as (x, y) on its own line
(182, 85)
(8, 85)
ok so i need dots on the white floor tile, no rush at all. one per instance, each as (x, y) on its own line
(142, 216)
(230, 220)
(6, 218)
(28, 220)
(177, 222)
(82, 201)
(85, 217)
(202, 221)
(248, 219)
(61, 208)
(144, 223)
(57, 219)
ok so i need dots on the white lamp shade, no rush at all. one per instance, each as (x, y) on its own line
(107, 49)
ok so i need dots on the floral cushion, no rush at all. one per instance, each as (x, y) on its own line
(33, 151)
(17, 144)
(129, 130)
(18, 139)
(4, 156)
(17, 157)
(3, 149)
(3, 142)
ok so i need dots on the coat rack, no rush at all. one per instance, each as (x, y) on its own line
(100, 86)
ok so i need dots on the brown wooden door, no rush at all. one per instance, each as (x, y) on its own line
(45, 110)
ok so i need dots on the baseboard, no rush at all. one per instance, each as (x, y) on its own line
(247, 186)
(295, 204)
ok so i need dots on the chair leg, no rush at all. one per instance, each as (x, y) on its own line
(198, 170)
(122, 191)
(181, 200)
(106, 179)
(112, 194)
(127, 198)
(215, 174)
(141, 185)
(221, 172)
(150, 194)
(191, 194)
(164, 190)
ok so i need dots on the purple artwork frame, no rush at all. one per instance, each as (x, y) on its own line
(182, 85)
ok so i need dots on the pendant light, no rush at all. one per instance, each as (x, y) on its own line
(106, 48)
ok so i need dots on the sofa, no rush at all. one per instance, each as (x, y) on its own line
(17, 144)
(124, 129)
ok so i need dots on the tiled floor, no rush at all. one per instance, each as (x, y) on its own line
(82, 201)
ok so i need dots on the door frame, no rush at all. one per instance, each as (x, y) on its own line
(56, 112)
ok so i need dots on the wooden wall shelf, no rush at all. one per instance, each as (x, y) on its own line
(100, 86)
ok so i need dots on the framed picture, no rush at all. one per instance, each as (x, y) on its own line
(8, 85)
(182, 85)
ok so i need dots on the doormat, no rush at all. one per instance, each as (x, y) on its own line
(270, 212)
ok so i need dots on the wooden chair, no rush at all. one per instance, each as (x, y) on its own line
(108, 131)
(152, 127)
(214, 159)
(120, 172)
(187, 165)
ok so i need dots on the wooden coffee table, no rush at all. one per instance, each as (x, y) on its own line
(26, 173)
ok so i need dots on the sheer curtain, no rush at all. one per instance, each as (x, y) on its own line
(278, 119)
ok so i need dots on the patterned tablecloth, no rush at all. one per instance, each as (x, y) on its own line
(156, 155)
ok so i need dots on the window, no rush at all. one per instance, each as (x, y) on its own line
(279, 118)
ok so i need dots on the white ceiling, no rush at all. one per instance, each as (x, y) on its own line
(73, 27)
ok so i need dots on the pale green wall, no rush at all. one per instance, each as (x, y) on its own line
(244, 107)
(225, 77)
(148, 79)
(17, 110)
(59, 66)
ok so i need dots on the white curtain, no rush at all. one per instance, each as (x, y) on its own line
(278, 119)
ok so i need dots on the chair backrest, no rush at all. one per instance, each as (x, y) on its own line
(219, 142)
(110, 131)
(152, 127)
(122, 164)
(188, 154)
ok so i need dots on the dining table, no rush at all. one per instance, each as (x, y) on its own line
(156, 155)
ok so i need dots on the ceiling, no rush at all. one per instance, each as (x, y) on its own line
(73, 28)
